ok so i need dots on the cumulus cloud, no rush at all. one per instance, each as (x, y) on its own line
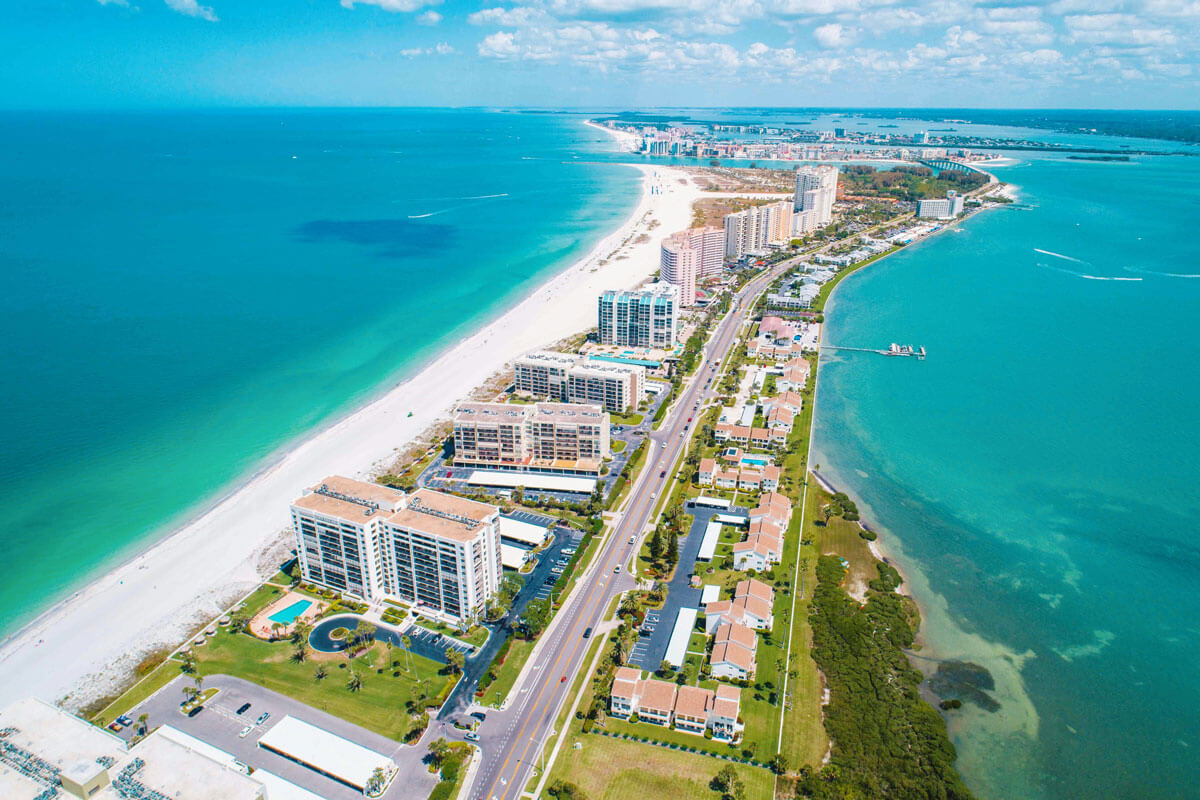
(193, 9)
(833, 35)
(124, 3)
(430, 17)
(439, 49)
(395, 6)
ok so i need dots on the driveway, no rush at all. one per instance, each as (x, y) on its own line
(219, 725)
(651, 646)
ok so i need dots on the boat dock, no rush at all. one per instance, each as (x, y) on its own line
(906, 350)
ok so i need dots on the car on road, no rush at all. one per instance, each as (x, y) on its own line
(471, 736)
(263, 717)
(664, 445)
(563, 679)
(617, 568)
(245, 707)
(244, 732)
(662, 474)
(587, 634)
(449, 473)
(632, 539)
(689, 419)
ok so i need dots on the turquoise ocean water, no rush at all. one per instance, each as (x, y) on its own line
(185, 293)
(1036, 478)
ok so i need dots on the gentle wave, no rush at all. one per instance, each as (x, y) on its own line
(1163, 274)
(1057, 255)
(1078, 274)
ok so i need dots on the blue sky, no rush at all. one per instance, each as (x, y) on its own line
(990, 53)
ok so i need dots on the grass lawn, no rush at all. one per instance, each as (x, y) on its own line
(626, 419)
(617, 446)
(506, 675)
(157, 678)
(611, 769)
(379, 705)
(476, 636)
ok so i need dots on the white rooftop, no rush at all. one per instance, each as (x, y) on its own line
(522, 531)
(708, 545)
(680, 634)
(532, 480)
(710, 594)
(280, 789)
(512, 556)
(331, 754)
(176, 771)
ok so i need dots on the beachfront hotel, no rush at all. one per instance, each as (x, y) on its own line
(758, 228)
(617, 388)
(438, 552)
(569, 438)
(947, 207)
(689, 257)
(646, 317)
(816, 189)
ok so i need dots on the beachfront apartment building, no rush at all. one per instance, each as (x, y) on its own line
(569, 438)
(617, 388)
(812, 204)
(733, 654)
(947, 207)
(757, 229)
(435, 551)
(690, 709)
(690, 257)
(646, 317)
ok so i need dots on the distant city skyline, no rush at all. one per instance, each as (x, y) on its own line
(927, 53)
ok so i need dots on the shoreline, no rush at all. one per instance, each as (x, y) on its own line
(84, 646)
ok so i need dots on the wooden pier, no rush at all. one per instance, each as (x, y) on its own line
(904, 350)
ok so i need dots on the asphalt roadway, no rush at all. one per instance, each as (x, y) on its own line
(512, 740)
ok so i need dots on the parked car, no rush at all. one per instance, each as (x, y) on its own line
(115, 726)
(471, 736)
(244, 732)
(263, 717)
(195, 711)
(479, 715)
(125, 719)
(244, 708)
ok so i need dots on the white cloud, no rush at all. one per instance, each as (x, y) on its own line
(516, 17)
(193, 9)
(395, 6)
(124, 3)
(439, 49)
(1124, 29)
(833, 35)
(429, 17)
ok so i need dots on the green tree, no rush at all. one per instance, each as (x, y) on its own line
(439, 749)
(656, 545)
(376, 781)
(407, 642)
(455, 659)
(728, 783)
(354, 682)
(673, 549)
(187, 662)
(300, 632)
(536, 618)
(320, 673)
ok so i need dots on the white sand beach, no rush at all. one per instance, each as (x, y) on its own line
(87, 645)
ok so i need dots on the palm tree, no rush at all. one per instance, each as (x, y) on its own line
(143, 721)
(188, 663)
(407, 642)
(301, 631)
(355, 682)
(320, 674)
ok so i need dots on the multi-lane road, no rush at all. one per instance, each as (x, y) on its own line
(512, 741)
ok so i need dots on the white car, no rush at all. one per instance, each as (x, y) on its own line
(632, 539)
(245, 731)
(617, 568)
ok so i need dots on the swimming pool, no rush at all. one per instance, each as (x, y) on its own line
(286, 616)
(642, 362)
(754, 461)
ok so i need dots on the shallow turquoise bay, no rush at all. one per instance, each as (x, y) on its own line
(1036, 476)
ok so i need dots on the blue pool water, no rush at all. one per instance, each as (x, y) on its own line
(754, 462)
(642, 362)
(286, 616)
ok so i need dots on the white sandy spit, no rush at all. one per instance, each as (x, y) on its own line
(86, 646)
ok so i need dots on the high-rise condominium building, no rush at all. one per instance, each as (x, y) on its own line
(947, 207)
(689, 257)
(430, 549)
(645, 317)
(757, 228)
(617, 388)
(816, 189)
(556, 437)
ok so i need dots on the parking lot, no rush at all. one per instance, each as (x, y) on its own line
(219, 725)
